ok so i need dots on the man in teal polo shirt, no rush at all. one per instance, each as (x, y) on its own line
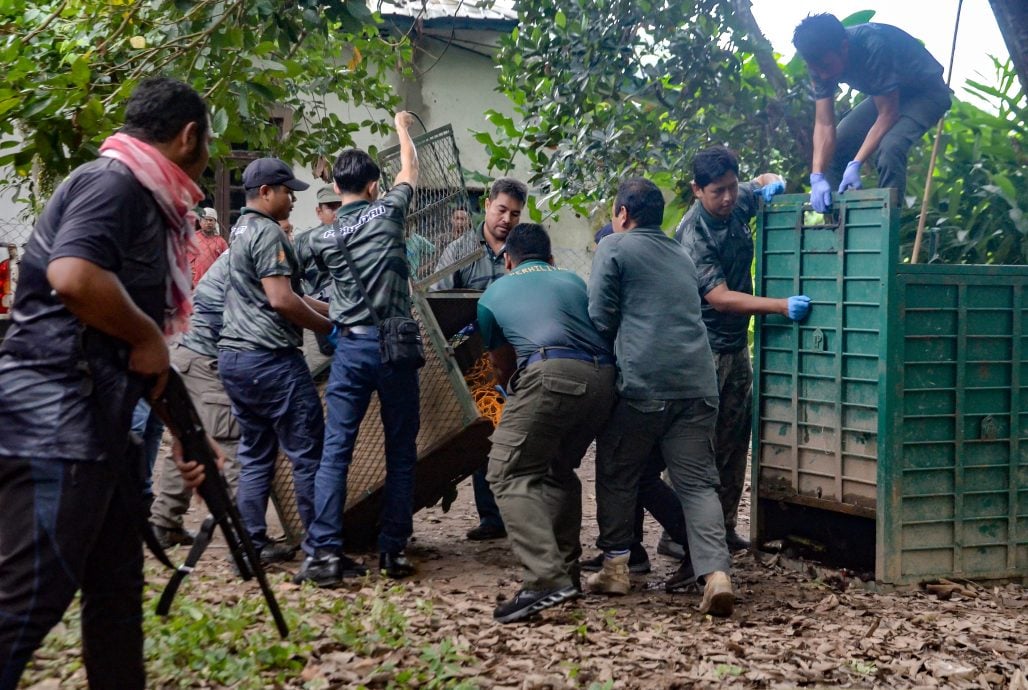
(559, 373)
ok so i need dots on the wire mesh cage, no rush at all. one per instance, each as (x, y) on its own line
(440, 211)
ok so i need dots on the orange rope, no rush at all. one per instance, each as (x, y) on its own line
(482, 384)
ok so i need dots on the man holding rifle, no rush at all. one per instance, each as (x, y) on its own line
(104, 278)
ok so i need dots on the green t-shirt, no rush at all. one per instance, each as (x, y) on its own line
(208, 306)
(259, 249)
(316, 283)
(374, 235)
(538, 305)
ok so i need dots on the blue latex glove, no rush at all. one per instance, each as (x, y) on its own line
(799, 306)
(468, 330)
(501, 390)
(333, 336)
(820, 192)
(769, 190)
(851, 178)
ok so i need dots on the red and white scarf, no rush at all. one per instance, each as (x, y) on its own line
(176, 195)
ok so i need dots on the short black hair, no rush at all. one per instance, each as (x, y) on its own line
(528, 242)
(353, 170)
(818, 35)
(515, 189)
(160, 107)
(712, 164)
(643, 200)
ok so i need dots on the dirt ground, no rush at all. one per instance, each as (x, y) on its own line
(791, 627)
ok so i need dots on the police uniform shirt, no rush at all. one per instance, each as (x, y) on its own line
(259, 249)
(374, 234)
(477, 276)
(208, 305)
(535, 306)
(722, 251)
(53, 370)
(643, 293)
(882, 59)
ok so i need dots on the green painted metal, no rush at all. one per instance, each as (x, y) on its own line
(901, 399)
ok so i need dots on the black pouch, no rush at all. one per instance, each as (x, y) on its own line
(399, 342)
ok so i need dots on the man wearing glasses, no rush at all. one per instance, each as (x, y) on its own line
(259, 359)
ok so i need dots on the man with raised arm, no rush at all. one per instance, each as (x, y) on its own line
(372, 229)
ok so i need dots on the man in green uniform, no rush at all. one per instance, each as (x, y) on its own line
(643, 295)
(316, 280)
(265, 375)
(535, 324)
(507, 198)
(716, 233)
(371, 228)
(196, 358)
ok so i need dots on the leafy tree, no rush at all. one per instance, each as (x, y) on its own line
(608, 88)
(978, 208)
(70, 65)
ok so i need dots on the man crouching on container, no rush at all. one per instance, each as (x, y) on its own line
(535, 323)
(643, 294)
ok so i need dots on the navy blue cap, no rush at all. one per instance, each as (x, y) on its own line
(271, 171)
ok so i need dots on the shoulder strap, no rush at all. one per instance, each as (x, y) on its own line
(341, 241)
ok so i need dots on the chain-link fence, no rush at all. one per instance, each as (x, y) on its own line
(13, 231)
(440, 211)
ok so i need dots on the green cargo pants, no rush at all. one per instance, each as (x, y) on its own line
(200, 374)
(547, 425)
(732, 432)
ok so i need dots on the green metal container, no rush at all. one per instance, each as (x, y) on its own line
(891, 426)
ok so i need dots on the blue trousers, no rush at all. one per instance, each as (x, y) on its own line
(276, 405)
(357, 372)
(149, 427)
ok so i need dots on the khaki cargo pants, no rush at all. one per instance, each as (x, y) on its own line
(547, 426)
(200, 374)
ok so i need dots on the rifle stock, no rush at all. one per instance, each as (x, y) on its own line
(176, 410)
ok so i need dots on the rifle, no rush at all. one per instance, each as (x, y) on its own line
(176, 409)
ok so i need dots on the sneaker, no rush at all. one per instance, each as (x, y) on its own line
(486, 532)
(277, 553)
(326, 569)
(612, 578)
(395, 565)
(670, 548)
(718, 599)
(168, 537)
(638, 561)
(528, 603)
(681, 578)
(735, 542)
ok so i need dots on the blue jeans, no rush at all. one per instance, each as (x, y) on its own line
(150, 428)
(357, 372)
(276, 405)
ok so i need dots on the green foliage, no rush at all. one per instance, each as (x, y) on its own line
(219, 637)
(978, 206)
(70, 65)
(617, 87)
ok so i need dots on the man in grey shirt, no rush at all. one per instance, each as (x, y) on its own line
(643, 296)
(265, 375)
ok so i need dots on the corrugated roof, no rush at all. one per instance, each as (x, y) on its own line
(428, 10)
